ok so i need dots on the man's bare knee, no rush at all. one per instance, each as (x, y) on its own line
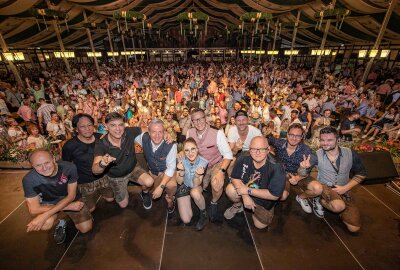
(85, 226)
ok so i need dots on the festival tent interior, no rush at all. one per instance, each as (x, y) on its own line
(42, 33)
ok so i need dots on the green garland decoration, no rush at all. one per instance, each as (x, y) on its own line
(335, 12)
(94, 25)
(339, 13)
(252, 16)
(48, 13)
(129, 15)
(200, 16)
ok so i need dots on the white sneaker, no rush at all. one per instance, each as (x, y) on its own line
(304, 204)
(317, 207)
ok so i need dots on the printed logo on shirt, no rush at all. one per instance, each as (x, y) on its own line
(244, 168)
(254, 180)
(63, 179)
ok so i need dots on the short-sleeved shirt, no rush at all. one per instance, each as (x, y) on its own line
(291, 163)
(82, 155)
(50, 189)
(233, 136)
(125, 156)
(271, 176)
(190, 169)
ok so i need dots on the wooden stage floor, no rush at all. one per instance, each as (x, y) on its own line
(134, 238)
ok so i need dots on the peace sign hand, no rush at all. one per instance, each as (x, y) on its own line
(305, 164)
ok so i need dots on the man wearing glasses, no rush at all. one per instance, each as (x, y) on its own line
(293, 153)
(214, 147)
(257, 182)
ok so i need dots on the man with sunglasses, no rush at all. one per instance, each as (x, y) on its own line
(293, 153)
(257, 182)
(214, 147)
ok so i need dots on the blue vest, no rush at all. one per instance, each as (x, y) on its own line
(156, 161)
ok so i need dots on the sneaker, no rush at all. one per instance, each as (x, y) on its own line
(364, 136)
(317, 207)
(201, 223)
(59, 233)
(371, 139)
(171, 207)
(233, 210)
(213, 212)
(304, 204)
(147, 201)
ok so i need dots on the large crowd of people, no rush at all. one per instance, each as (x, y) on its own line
(231, 127)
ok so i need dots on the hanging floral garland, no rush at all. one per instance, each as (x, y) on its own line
(193, 18)
(129, 15)
(333, 13)
(255, 17)
(48, 14)
(94, 25)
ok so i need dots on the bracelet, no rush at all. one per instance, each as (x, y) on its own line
(181, 175)
(249, 191)
(101, 165)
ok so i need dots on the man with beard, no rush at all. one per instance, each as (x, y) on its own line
(80, 151)
(333, 189)
(292, 151)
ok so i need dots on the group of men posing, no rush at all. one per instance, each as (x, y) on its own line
(94, 166)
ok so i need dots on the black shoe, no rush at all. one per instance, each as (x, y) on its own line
(59, 233)
(201, 223)
(147, 201)
(171, 208)
(213, 212)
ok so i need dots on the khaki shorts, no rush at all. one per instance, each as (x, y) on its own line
(351, 214)
(211, 171)
(263, 215)
(91, 192)
(301, 185)
(81, 216)
(119, 185)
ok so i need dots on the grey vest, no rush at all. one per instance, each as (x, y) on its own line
(327, 174)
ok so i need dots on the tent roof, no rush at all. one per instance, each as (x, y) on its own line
(21, 30)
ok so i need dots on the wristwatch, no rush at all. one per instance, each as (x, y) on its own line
(162, 186)
(249, 191)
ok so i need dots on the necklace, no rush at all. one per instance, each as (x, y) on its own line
(201, 135)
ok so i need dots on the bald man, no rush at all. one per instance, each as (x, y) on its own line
(257, 182)
(51, 188)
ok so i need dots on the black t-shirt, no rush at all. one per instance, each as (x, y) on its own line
(82, 155)
(347, 125)
(125, 156)
(271, 176)
(50, 189)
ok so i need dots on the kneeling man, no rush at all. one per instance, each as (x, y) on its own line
(258, 182)
(51, 187)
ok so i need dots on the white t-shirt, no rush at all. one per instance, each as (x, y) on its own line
(233, 136)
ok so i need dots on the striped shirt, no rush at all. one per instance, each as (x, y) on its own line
(44, 111)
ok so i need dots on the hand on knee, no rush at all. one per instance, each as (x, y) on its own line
(284, 196)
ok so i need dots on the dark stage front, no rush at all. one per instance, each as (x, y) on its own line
(134, 238)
